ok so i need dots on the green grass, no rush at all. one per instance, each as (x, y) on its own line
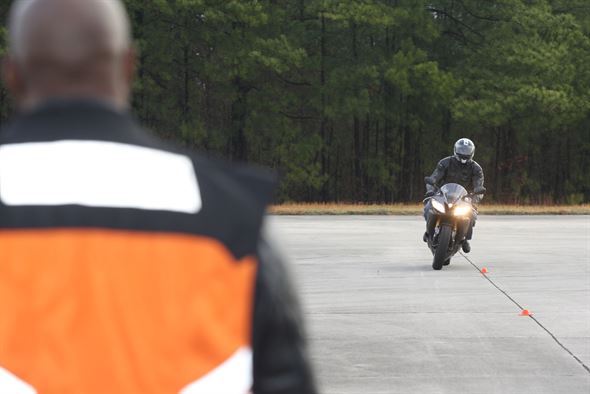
(416, 209)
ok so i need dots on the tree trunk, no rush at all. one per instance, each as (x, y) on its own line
(496, 191)
(302, 10)
(323, 154)
(406, 161)
(358, 186)
(238, 116)
(366, 153)
(388, 149)
(186, 81)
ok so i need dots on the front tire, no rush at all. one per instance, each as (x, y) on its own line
(440, 255)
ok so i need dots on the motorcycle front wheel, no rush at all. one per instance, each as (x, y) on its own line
(440, 255)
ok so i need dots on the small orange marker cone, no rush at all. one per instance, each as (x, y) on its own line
(484, 270)
(525, 312)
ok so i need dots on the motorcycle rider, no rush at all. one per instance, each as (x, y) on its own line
(459, 168)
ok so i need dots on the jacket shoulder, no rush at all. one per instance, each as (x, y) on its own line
(444, 163)
(476, 167)
(234, 197)
(235, 184)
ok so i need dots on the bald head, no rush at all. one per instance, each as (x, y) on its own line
(69, 49)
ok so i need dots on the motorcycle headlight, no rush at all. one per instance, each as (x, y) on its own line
(438, 206)
(462, 210)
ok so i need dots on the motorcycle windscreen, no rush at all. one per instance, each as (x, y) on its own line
(453, 192)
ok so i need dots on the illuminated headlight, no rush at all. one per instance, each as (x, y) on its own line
(438, 206)
(462, 210)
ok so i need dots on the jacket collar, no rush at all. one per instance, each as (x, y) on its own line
(75, 119)
(63, 103)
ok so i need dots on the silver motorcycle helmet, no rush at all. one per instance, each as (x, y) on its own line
(464, 150)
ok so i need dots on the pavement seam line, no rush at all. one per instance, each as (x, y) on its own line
(532, 317)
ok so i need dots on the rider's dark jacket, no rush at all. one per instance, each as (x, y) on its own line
(128, 265)
(450, 170)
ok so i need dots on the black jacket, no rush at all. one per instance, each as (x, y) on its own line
(220, 224)
(450, 170)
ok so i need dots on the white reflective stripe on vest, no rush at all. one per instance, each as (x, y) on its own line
(234, 376)
(10, 384)
(97, 174)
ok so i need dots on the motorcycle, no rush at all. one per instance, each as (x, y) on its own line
(451, 211)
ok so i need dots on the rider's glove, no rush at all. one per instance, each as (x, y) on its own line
(429, 194)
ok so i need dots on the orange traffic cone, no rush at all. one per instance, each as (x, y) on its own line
(525, 312)
(484, 270)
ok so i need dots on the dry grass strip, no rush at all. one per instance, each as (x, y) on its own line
(416, 209)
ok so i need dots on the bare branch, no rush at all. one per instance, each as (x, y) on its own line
(298, 117)
(294, 83)
(454, 19)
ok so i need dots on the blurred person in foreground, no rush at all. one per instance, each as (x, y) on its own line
(126, 265)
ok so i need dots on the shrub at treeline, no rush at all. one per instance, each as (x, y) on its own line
(356, 100)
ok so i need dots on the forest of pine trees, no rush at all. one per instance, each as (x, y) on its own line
(357, 100)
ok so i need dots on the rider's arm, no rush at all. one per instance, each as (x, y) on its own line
(438, 175)
(281, 361)
(477, 182)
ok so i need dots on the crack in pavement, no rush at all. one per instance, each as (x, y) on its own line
(532, 317)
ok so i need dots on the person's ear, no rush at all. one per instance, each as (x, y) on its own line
(12, 78)
(130, 65)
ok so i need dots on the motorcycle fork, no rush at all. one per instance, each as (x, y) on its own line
(437, 227)
(462, 229)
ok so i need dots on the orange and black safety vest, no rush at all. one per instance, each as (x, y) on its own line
(126, 265)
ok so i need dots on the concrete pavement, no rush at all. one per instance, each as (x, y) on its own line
(380, 320)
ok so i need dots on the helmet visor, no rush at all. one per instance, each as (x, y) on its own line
(464, 158)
